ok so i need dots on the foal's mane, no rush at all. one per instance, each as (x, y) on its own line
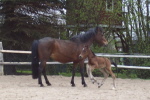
(93, 52)
(86, 36)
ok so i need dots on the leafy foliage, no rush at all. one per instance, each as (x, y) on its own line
(26, 20)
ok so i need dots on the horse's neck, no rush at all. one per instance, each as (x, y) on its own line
(91, 55)
(89, 42)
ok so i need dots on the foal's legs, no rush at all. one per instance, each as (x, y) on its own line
(89, 72)
(108, 69)
(105, 77)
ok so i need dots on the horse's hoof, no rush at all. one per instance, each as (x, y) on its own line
(41, 85)
(48, 84)
(99, 86)
(73, 85)
(85, 85)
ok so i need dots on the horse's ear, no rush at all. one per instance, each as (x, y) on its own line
(96, 29)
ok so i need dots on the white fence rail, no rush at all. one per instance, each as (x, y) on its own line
(123, 56)
(15, 51)
(98, 54)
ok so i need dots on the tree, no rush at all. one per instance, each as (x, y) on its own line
(137, 26)
(27, 20)
(24, 21)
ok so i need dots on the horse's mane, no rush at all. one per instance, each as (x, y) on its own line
(86, 36)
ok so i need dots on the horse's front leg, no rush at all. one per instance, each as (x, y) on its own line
(82, 73)
(73, 74)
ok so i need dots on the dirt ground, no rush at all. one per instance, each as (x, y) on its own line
(25, 88)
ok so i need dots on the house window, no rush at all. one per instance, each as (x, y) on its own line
(109, 5)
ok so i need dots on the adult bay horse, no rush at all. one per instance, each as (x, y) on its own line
(101, 63)
(63, 51)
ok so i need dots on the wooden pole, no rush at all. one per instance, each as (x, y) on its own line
(1, 60)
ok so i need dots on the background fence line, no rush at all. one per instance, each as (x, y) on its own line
(29, 63)
(98, 54)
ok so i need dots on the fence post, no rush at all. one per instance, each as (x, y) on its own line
(1, 60)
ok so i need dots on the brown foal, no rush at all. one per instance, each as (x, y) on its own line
(101, 63)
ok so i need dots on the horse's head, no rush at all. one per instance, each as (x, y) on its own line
(84, 53)
(99, 37)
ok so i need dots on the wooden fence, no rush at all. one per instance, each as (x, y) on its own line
(98, 54)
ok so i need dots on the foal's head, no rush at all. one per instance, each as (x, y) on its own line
(85, 52)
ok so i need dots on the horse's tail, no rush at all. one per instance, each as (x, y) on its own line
(35, 59)
(116, 67)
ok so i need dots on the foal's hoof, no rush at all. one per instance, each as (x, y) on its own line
(99, 86)
(113, 88)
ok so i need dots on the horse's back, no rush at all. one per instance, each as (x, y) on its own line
(59, 50)
(45, 39)
(44, 47)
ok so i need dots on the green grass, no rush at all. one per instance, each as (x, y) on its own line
(124, 76)
(24, 71)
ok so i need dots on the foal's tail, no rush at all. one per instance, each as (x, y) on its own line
(115, 66)
(35, 59)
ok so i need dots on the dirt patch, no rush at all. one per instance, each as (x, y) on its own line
(25, 88)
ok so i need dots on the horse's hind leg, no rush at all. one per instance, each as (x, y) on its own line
(46, 79)
(40, 71)
(105, 77)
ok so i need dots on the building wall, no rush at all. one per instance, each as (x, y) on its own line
(88, 12)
